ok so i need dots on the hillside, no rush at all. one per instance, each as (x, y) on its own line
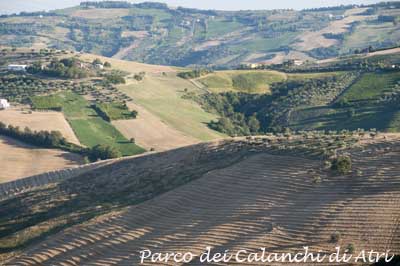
(157, 34)
(265, 192)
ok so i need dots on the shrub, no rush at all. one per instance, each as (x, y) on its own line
(103, 152)
(193, 74)
(342, 165)
(350, 248)
(140, 76)
(335, 237)
(115, 78)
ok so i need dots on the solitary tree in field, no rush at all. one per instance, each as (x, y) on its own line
(342, 165)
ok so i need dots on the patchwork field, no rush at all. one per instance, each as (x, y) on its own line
(372, 34)
(19, 160)
(242, 197)
(312, 40)
(241, 80)
(161, 95)
(39, 121)
(89, 127)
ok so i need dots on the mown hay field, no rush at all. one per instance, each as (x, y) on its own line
(47, 120)
(162, 95)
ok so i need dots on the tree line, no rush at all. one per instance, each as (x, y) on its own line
(54, 139)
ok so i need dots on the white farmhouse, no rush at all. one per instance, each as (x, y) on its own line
(17, 67)
(4, 104)
(298, 62)
(99, 66)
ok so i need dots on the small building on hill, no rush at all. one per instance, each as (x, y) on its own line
(4, 104)
(17, 67)
(99, 66)
(298, 62)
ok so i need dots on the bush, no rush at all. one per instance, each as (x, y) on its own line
(335, 237)
(114, 111)
(342, 165)
(193, 74)
(115, 78)
(140, 76)
(350, 248)
(103, 152)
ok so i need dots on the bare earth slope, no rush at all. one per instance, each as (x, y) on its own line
(256, 198)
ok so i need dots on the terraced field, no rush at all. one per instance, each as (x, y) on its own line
(243, 197)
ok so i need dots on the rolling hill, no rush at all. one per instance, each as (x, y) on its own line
(157, 34)
(262, 192)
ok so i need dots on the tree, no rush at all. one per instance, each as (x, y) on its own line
(103, 152)
(350, 248)
(254, 124)
(97, 61)
(107, 64)
(342, 165)
(335, 237)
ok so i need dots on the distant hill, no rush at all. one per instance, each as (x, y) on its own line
(154, 33)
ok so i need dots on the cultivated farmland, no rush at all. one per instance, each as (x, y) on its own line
(162, 96)
(243, 81)
(39, 121)
(19, 160)
(150, 132)
(226, 195)
(90, 128)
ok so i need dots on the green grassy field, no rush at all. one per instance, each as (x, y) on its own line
(218, 28)
(162, 96)
(251, 81)
(116, 111)
(371, 86)
(266, 44)
(50, 102)
(89, 127)
(307, 76)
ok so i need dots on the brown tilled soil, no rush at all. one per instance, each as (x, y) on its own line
(19, 160)
(261, 200)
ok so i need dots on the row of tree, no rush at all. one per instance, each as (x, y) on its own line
(54, 139)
